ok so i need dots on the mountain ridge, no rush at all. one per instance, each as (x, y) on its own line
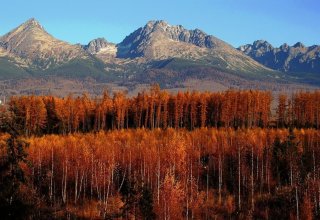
(136, 40)
(295, 58)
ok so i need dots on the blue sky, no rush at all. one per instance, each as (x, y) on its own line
(234, 21)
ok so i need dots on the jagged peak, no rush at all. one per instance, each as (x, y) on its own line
(165, 25)
(298, 45)
(261, 45)
(29, 28)
(152, 23)
(261, 42)
(197, 30)
(99, 39)
(32, 22)
(284, 46)
(159, 30)
(96, 45)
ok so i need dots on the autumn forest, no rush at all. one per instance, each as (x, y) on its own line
(238, 154)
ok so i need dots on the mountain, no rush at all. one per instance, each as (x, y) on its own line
(33, 61)
(30, 48)
(102, 49)
(158, 40)
(296, 59)
(37, 48)
(98, 45)
(169, 54)
(153, 40)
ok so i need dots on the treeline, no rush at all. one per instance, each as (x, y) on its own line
(159, 109)
(179, 174)
(154, 109)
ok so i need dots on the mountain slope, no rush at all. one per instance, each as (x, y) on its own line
(296, 58)
(29, 48)
(9, 69)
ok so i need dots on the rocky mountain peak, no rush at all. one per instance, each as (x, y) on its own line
(29, 29)
(35, 46)
(155, 23)
(262, 45)
(284, 47)
(299, 45)
(31, 25)
(173, 32)
(97, 45)
(160, 32)
(32, 22)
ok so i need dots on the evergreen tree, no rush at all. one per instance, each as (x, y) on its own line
(146, 204)
(12, 205)
(284, 158)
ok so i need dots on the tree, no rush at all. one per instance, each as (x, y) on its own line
(12, 205)
(129, 193)
(146, 204)
(172, 198)
(280, 163)
(164, 99)
(285, 159)
(281, 111)
(120, 106)
(203, 110)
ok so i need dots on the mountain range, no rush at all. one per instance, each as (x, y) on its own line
(296, 59)
(33, 61)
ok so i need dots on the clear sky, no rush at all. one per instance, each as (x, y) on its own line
(234, 21)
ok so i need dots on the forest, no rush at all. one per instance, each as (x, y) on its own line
(227, 155)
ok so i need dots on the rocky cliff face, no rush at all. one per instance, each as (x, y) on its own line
(296, 58)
